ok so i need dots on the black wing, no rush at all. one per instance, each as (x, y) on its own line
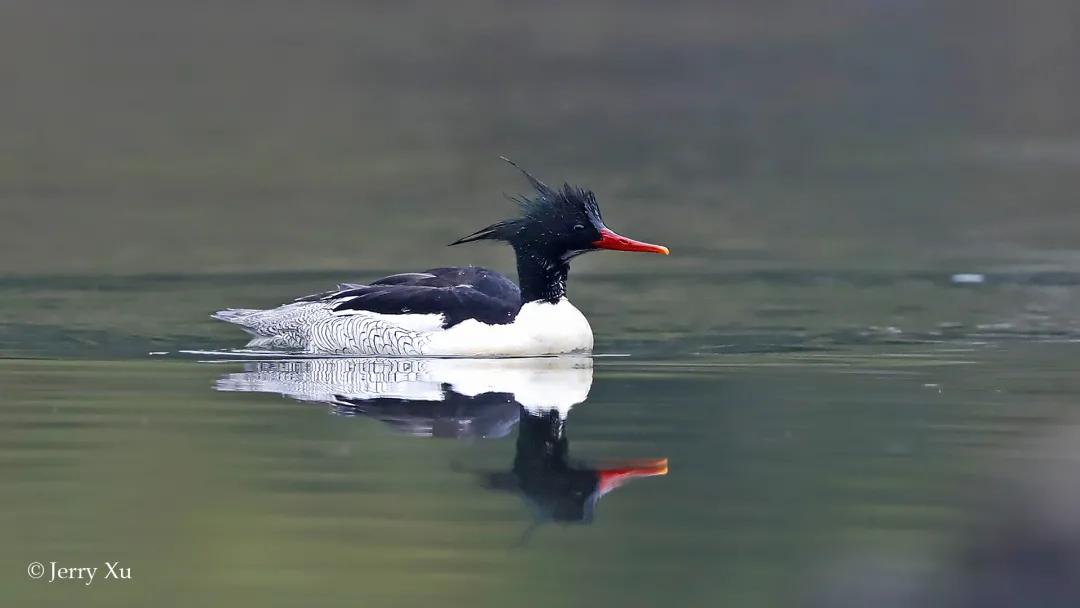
(459, 294)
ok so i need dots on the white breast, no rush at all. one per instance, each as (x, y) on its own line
(540, 328)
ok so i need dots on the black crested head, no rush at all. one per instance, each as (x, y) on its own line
(555, 223)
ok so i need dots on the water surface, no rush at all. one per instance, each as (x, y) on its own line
(800, 419)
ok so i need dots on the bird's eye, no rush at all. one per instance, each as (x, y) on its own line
(579, 226)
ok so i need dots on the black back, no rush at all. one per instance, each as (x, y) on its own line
(459, 294)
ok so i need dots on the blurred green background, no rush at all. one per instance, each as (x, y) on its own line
(237, 136)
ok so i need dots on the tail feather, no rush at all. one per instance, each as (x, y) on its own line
(285, 324)
(239, 316)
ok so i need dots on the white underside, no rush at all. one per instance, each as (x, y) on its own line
(540, 328)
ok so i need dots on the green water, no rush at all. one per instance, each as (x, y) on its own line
(847, 419)
(798, 433)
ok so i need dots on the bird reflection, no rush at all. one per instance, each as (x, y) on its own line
(556, 489)
(467, 398)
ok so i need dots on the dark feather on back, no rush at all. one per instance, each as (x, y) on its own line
(459, 294)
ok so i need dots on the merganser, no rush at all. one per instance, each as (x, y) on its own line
(471, 311)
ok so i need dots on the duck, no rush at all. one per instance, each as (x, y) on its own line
(459, 311)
